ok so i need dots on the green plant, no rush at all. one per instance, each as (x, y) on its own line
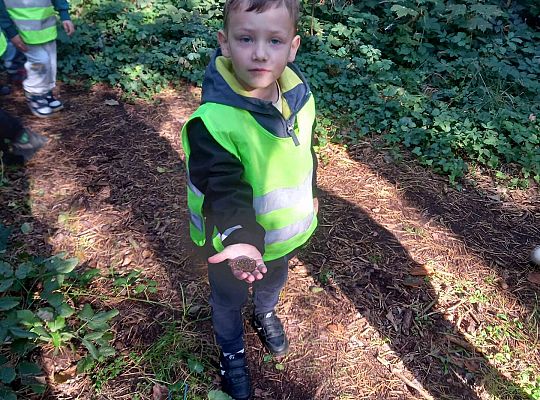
(175, 353)
(106, 372)
(133, 283)
(35, 307)
(454, 82)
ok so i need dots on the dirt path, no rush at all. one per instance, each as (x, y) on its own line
(400, 295)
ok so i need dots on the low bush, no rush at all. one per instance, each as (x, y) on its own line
(457, 82)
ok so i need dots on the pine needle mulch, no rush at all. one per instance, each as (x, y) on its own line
(410, 289)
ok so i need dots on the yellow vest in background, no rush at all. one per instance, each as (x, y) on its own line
(36, 24)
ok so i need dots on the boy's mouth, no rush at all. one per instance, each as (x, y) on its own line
(259, 70)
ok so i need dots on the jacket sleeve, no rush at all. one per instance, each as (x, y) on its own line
(62, 7)
(6, 23)
(228, 201)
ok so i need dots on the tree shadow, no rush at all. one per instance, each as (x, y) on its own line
(487, 221)
(372, 269)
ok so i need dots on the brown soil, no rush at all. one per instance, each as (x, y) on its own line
(244, 264)
(388, 301)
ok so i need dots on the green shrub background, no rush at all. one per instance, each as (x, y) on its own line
(455, 81)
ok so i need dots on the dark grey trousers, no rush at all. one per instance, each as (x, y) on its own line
(228, 295)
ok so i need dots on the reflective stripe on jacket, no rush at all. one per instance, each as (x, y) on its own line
(278, 171)
(35, 19)
(3, 43)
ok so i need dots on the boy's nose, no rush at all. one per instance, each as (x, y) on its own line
(260, 54)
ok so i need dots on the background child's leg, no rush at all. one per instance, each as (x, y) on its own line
(266, 291)
(51, 51)
(14, 64)
(227, 297)
(38, 70)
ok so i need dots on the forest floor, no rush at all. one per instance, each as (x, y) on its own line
(410, 289)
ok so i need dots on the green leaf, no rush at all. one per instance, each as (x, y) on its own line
(65, 310)
(7, 303)
(22, 347)
(93, 336)
(86, 313)
(280, 366)
(4, 235)
(85, 365)
(479, 23)
(91, 349)
(403, 11)
(7, 394)
(51, 284)
(29, 368)
(42, 333)
(23, 270)
(56, 339)
(104, 316)
(97, 326)
(7, 375)
(218, 395)
(3, 334)
(21, 333)
(26, 228)
(6, 270)
(87, 276)
(106, 351)
(195, 366)
(5, 284)
(61, 266)
(38, 388)
(54, 299)
(139, 288)
(57, 324)
(27, 317)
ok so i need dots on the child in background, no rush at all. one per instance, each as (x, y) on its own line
(17, 144)
(251, 174)
(31, 27)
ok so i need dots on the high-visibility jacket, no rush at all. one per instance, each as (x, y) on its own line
(278, 170)
(3, 43)
(35, 19)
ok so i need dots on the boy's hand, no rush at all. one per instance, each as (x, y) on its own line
(68, 27)
(238, 250)
(316, 205)
(19, 43)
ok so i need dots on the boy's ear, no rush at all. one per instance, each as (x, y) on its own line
(223, 43)
(294, 48)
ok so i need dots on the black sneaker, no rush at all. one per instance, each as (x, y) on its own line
(39, 105)
(54, 104)
(271, 332)
(25, 146)
(235, 377)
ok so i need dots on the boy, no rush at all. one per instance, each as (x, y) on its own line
(31, 27)
(251, 173)
(17, 144)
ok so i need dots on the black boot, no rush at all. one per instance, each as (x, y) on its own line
(235, 377)
(271, 332)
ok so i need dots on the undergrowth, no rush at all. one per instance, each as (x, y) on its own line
(454, 81)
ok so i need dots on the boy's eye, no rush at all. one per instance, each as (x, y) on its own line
(245, 39)
(275, 41)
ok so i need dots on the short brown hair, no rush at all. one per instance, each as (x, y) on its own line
(259, 6)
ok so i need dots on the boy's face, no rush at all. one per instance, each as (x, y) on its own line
(259, 46)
